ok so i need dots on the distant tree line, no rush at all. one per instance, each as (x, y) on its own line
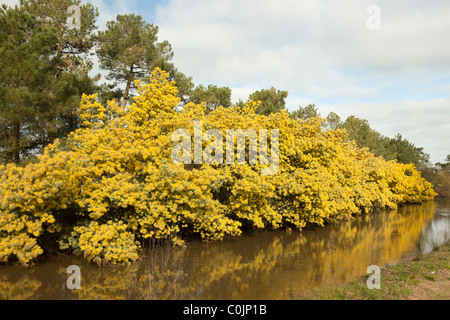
(396, 148)
(359, 130)
(439, 176)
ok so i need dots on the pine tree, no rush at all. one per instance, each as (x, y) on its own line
(272, 100)
(26, 63)
(305, 113)
(128, 50)
(71, 57)
(43, 71)
(213, 96)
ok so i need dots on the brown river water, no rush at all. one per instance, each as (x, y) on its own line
(257, 265)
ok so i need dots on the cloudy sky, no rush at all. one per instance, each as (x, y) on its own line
(324, 52)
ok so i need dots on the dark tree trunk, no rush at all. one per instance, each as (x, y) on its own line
(16, 151)
(127, 90)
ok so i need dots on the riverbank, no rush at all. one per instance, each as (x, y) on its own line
(424, 277)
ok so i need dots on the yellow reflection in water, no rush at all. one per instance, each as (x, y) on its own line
(301, 261)
(264, 265)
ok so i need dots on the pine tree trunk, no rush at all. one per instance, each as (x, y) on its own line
(127, 90)
(58, 58)
(16, 151)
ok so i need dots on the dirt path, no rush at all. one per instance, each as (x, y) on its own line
(425, 277)
(433, 284)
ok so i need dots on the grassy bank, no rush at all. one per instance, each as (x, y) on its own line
(425, 277)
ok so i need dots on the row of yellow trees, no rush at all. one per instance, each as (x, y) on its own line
(112, 184)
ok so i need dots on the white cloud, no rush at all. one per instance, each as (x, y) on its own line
(108, 10)
(322, 52)
(282, 39)
(10, 3)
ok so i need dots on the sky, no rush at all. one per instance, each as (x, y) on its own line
(380, 60)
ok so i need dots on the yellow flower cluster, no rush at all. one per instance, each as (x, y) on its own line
(113, 182)
(108, 243)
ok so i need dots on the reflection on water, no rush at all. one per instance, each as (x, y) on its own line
(437, 232)
(259, 265)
